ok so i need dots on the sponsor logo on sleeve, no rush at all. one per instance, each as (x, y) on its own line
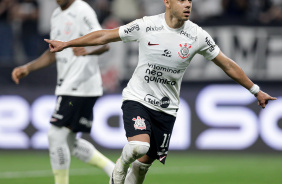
(131, 28)
(88, 23)
(211, 44)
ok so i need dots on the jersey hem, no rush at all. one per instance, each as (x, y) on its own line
(170, 112)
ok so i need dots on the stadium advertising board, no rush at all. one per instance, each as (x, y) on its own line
(212, 116)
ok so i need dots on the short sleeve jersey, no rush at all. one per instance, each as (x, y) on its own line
(76, 75)
(164, 55)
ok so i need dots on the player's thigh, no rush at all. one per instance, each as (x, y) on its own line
(140, 137)
(136, 120)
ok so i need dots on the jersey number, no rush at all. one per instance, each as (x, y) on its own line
(165, 141)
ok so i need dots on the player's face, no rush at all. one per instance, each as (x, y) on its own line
(180, 9)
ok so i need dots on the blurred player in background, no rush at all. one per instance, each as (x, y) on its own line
(78, 87)
(167, 44)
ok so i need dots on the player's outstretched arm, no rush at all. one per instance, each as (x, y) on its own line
(234, 71)
(46, 59)
(100, 37)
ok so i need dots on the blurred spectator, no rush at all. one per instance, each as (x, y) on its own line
(235, 11)
(153, 7)
(112, 72)
(46, 9)
(266, 12)
(277, 4)
(27, 13)
(6, 32)
(206, 11)
(101, 7)
(127, 10)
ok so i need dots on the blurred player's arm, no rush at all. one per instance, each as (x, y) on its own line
(100, 37)
(235, 72)
(94, 50)
(46, 59)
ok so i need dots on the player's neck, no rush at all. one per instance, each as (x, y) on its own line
(67, 5)
(172, 21)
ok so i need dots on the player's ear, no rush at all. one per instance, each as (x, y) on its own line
(167, 3)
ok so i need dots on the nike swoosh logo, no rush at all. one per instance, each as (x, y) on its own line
(151, 44)
(162, 158)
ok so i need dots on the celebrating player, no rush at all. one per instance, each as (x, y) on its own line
(78, 87)
(167, 44)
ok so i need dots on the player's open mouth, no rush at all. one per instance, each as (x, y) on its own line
(187, 13)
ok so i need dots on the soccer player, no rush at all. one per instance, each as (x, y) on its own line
(78, 87)
(167, 44)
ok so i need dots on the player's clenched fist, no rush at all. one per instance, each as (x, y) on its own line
(18, 73)
(79, 51)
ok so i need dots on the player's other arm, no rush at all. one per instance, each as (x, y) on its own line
(100, 37)
(46, 59)
(235, 72)
(95, 50)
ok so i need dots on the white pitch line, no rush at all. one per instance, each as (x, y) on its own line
(182, 170)
(45, 173)
(85, 171)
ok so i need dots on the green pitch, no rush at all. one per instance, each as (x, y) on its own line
(184, 168)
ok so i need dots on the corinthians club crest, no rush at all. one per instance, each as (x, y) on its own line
(184, 51)
(68, 28)
(139, 123)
